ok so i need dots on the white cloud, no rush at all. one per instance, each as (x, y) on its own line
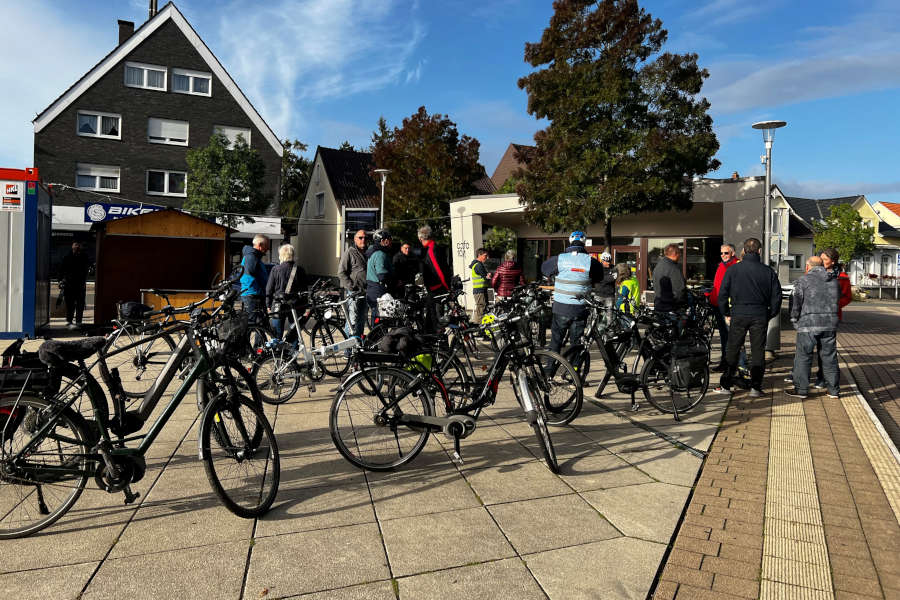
(414, 75)
(727, 12)
(293, 53)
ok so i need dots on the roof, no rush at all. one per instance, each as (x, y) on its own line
(349, 173)
(484, 186)
(508, 164)
(894, 207)
(886, 229)
(168, 13)
(810, 209)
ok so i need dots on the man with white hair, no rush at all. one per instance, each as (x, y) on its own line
(286, 279)
(254, 277)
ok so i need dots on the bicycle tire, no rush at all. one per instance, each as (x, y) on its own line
(18, 416)
(257, 337)
(234, 460)
(367, 441)
(246, 384)
(580, 358)
(538, 423)
(326, 333)
(455, 381)
(139, 366)
(276, 383)
(662, 395)
(557, 387)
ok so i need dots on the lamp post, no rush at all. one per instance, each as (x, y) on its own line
(773, 331)
(384, 174)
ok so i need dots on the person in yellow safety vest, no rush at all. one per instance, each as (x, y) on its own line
(479, 276)
(628, 290)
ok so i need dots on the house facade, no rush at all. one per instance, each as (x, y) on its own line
(120, 135)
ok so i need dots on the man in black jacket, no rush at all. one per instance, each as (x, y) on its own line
(669, 288)
(75, 267)
(749, 297)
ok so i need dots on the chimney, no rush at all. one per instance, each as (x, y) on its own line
(735, 176)
(153, 9)
(126, 30)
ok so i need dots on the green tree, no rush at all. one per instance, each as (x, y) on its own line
(628, 130)
(295, 172)
(346, 145)
(509, 186)
(500, 239)
(430, 164)
(845, 231)
(381, 135)
(226, 181)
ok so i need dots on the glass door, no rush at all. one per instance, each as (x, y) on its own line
(631, 256)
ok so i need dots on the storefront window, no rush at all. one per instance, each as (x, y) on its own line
(701, 260)
(531, 255)
(655, 253)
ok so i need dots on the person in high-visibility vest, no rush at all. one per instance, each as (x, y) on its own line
(479, 277)
(628, 290)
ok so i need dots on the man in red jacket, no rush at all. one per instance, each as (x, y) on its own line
(727, 252)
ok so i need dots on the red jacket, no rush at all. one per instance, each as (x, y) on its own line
(846, 293)
(507, 276)
(717, 282)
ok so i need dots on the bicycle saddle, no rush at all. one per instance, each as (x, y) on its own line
(55, 353)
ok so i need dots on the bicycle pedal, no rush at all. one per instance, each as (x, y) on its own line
(635, 407)
(457, 458)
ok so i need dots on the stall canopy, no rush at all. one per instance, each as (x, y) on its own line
(168, 249)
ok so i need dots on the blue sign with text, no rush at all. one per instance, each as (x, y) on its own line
(97, 212)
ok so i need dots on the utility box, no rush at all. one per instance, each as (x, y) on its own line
(25, 221)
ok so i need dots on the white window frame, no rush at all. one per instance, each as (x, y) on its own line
(320, 205)
(169, 141)
(98, 171)
(99, 115)
(167, 172)
(220, 128)
(145, 67)
(192, 75)
(797, 261)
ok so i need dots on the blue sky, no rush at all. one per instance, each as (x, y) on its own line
(323, 71)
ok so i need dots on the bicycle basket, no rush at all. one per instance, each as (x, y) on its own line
(389, 307)
(232, 331)
(133, 311)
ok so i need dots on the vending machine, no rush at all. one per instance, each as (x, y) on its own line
(25, 222)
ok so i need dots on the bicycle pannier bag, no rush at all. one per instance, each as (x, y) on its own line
(133, 311)
(689, 361)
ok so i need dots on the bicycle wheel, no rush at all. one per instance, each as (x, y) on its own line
(365, 427)
(326, 333)
(228, 376)
(139, 366)
(580, 359)
(39, 488)
(557, 385)
(455, 380)
(663, 395)
(257, 337)
(538, 422)
(243, 469)
(276, 377)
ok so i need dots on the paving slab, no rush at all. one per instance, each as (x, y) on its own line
(301, 508)
(497, 580)
(411, 496)
(600, 471)
(670, 465)
(380, 590)
(64, 583)
(627, 509)
(509, 483)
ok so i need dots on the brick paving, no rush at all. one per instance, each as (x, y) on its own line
(733, 514)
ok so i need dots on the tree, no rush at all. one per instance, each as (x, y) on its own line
(295, 173)
(346, 145)
(381, 135)
(509, 186)
(627, 130)
(430, 164)
(845, 231)
(500, 239)
(226, 180)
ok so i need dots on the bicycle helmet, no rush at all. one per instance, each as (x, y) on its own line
(577, 237)
(381, 234)
(606, 256)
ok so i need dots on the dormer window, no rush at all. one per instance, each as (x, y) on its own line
(148, 77)
(191, 82)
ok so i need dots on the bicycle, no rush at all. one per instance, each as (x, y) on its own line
(382, 415)
(48, 450)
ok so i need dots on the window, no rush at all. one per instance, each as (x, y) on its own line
(191, 82)
(320, 204)
(166, 183)
(167, 131)
(795, 261)
(150, 77)
(101, 125)
(97, 177)
(233, 132)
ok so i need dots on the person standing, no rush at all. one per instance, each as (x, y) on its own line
(628, 296)
(74, 271)
(433, 276)
(576, 271)
(379, 270)
(286, 279)
(507, 276)
(406, 266)
(814, 313)
(750, 296)
(669, 287)
(254, 277)
(352, 275)
(727, 253)
(479, 277)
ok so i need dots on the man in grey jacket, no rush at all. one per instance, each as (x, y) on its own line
(814, 313)
(352, 274)
(669, 289)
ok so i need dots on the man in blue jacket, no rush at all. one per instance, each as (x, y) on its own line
(254, 277)
(575, 272)
(379, 270)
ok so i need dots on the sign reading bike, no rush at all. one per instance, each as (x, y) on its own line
(97, 212)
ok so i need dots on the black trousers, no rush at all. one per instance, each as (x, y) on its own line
(74, 295)
(740, 327)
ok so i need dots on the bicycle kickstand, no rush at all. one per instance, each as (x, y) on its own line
(457, 457)
(634, 404)
(130, 496)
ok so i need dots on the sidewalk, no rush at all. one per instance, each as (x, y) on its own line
(797, 499)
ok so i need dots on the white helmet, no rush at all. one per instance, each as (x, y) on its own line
(605, 256)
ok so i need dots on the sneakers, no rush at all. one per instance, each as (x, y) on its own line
(819, 385)
(795, 394)
(71, 326)
(722, 390)
(789, 378)
(719, 368)
(834, 395)
(755, 393)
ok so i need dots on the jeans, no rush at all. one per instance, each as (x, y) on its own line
(277, 327)
(373, 311)
(356, 317)
(826, 343)
(560, 325)
(723, 336)
(254, 306)
(820, 375)
(740, 326)
(74, 295)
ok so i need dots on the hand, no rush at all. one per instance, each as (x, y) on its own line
(728, 321)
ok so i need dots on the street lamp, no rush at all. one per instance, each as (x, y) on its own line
(768, 131)
(384, 174)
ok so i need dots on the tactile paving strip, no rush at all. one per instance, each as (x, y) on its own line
(795, 556)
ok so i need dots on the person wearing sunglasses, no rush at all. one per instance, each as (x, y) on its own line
(727, 252)
(352, 274)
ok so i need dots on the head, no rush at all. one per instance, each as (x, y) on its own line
(510, 256)
(813, 261)
(622, 273)
(404, 248)
(286, 253)
(424, 233)
(672, 252)
(76, 248)
(727, 252)
(261, 243)
(481, 255)
(605, 257)
(382, 238)
(752, 246)
(577, 238)
(829, 257)
(359, 239)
